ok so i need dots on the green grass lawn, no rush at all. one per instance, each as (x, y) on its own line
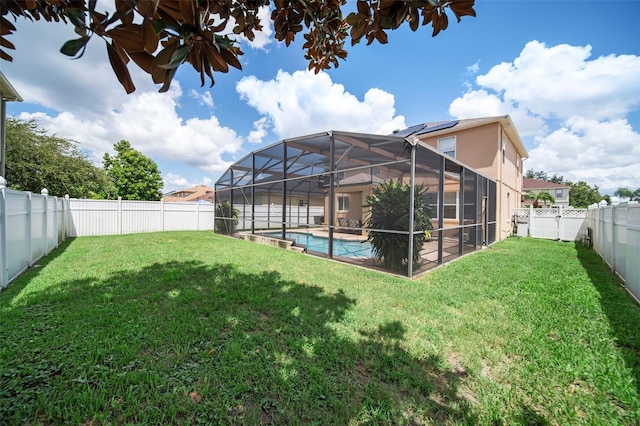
(195, 328)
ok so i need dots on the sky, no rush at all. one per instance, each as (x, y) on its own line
(567, 72)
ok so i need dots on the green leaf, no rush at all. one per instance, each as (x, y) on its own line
(223, 42)
(176, 58)
(76, 16)
(72, 47)
(159, 26)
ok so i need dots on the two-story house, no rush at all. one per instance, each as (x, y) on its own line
(491, 146)
(559, 192)
(195, 193)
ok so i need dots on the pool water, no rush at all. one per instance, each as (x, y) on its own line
(343, 248)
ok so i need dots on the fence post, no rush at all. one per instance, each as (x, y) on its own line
(198, 216)
(560, 223)
(66, 216)
(56, 225)
(613, 238)
(4, 274)
(119, 216)
(162, 214)
(27, 255)
(45, 193)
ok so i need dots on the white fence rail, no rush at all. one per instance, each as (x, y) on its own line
(31, 225)
(553, 224)
(270, 216)
(109, 217)
(615, 236)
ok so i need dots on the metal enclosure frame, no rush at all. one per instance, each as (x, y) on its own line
(316, 185)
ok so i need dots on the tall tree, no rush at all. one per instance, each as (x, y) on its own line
(623, 193)
(542, 175)
(534, 174)
(557, 179)
(37, 160)
(636, 195)
(196, 31)
(583, 195)
(135, 176)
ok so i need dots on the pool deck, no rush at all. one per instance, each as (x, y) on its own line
(428, 253)
(321, 232)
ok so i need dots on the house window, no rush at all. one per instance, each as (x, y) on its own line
(451, 205)
(517, 166)
(343, 203)
(447, 146)
(559, 193)
(504, 152)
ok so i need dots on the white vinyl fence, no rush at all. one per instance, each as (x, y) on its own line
(270, 216)
(110, 217)
(554, 223)
(615, 235)
(31, 225)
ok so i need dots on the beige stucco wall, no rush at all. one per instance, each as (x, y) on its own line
(481, 149)
(357, 194)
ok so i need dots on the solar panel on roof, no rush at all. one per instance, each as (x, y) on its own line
(408, 131)
(437, 127)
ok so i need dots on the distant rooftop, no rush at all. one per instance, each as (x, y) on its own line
(529, 184)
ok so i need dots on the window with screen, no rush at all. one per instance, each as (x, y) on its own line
(451, 205)
(343, 203)
(448, 146)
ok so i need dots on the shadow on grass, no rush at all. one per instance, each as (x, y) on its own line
(22, 280)
(621, 311)
(188, 342)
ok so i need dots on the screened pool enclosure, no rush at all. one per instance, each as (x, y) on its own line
(319, 192)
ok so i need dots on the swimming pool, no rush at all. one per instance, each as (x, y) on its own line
(343, 248)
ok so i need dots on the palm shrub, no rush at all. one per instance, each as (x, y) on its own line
(545, 197)
(223, 215)
(389, 205)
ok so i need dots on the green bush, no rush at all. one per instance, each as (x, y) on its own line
(223, 223)
(389, 206)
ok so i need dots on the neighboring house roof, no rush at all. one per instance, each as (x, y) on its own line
(360, 178)
(195, 193)
(444, 127)
(7, 91)
(534, 184)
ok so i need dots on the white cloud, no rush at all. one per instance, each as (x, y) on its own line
(575, 109)
(87, 83)
(171, 179)
(303, 103)
(149, 121)
(599, 153)
(473, 69)
(173, 182)
(261, 127)
(557, 81)
(86, 103)
(204, 98)
(478, 103)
